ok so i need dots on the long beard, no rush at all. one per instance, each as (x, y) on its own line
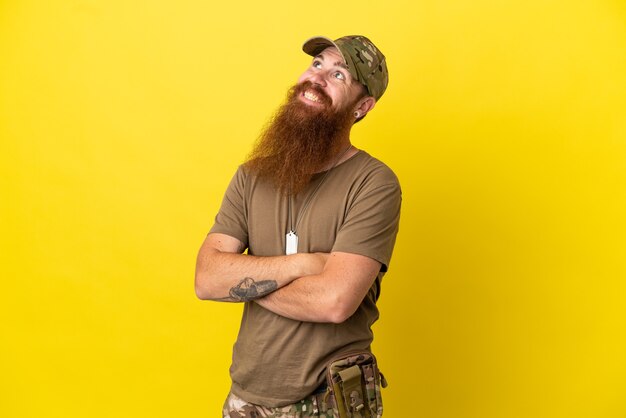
(299, 140)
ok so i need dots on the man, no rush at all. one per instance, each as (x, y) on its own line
(318, 218)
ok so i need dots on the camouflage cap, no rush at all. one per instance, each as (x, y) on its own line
(365, 62)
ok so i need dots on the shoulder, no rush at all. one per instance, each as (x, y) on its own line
(238, 180)
(242, 177)
(373, 171)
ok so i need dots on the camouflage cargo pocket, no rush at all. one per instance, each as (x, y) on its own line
(355, 382)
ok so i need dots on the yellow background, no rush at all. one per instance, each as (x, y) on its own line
(121, 123)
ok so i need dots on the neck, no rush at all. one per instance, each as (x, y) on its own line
(344, 151)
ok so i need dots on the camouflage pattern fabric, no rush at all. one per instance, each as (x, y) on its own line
(312, 406)
(374, 397)
(371, 383)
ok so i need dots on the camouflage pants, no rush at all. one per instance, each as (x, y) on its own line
(311, 406)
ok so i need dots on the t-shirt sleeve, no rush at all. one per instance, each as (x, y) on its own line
(371, 223)
(232, 217)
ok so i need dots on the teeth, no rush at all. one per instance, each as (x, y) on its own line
(311, 96)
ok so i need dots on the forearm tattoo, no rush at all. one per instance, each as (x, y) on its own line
(247, 290)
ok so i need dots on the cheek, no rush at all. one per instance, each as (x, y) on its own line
(352, 94)
(340, 95)
(303, 77)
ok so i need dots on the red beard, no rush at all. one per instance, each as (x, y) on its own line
(300, 140)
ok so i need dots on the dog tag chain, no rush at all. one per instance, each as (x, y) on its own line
(291, 238)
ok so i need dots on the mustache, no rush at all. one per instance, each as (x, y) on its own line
(307, 85)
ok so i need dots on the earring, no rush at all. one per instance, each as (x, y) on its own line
(357, 114)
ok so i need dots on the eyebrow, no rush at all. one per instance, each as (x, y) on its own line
(338, 63)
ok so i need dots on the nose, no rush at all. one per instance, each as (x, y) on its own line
(318, 78)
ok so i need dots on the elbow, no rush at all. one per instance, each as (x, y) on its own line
(205, 281)
(337, 318)
(202, 288)
(339, 312)
(201, 293)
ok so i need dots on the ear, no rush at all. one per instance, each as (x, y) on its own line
(364, 105)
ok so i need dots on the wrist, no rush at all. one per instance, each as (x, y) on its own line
(309, 264)
(299, 265)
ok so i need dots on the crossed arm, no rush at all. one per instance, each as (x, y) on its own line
(314, 287)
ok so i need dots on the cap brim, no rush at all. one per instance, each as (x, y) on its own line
(317, 44)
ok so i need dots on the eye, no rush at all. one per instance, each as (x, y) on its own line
(339, 75)
(316, 64)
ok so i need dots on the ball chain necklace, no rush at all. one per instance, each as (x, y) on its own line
(291, 239)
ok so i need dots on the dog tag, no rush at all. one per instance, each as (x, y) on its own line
(291, 243)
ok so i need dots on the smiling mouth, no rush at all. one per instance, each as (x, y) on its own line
(311, 96)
